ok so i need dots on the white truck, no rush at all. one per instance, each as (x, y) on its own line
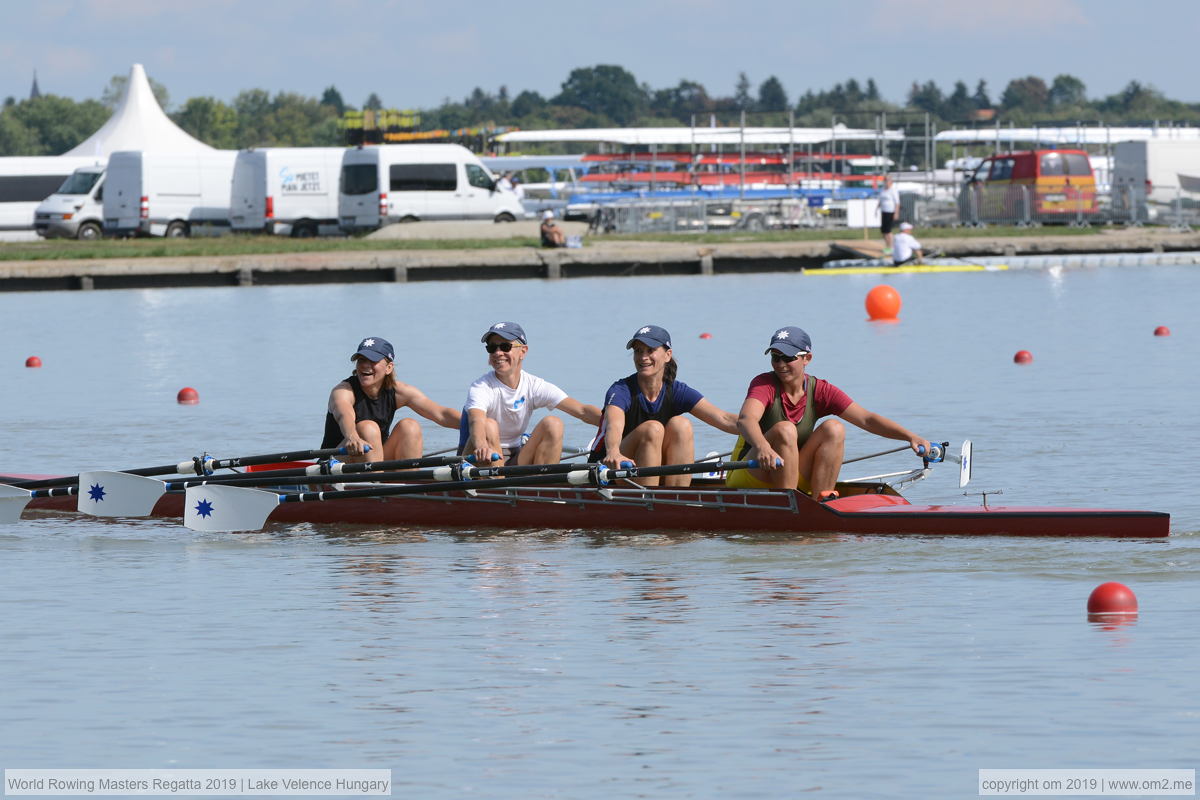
(388, 183)
(76, 210)
(25, 181)
(1150, 170)
(168, 194)
(289, 191)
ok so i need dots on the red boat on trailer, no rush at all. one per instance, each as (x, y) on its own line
(706, 507)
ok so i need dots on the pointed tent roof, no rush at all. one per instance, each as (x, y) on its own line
(138, 124)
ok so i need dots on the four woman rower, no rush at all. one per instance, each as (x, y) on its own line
(642, 422)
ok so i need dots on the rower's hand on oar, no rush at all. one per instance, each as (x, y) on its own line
(485, 455)
(619, 461)
(769, 460)
(919, 446)
(356, 446)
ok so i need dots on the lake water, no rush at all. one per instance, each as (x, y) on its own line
(592, 664)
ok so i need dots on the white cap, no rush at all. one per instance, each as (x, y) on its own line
(547, 214)
(906, 226)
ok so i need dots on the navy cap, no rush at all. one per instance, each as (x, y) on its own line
(506, 330)
(374, 348)
(790, 341)
(651, 336)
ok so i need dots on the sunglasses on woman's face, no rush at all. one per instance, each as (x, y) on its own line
(503, 347)
(777, 356)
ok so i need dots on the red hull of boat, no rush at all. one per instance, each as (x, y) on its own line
(699, 511)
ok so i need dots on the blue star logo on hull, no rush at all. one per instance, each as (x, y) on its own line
(204, 508)
(96, 492)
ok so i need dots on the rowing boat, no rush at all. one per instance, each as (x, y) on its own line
(867, 507)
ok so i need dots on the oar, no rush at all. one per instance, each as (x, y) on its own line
(198, 465)
(234, 508)
(876, 455)
(122, 494)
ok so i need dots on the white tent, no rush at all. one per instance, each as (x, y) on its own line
(138, 124)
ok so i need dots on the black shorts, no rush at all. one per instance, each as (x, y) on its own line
(886, 220)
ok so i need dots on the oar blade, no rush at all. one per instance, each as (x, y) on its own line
(12, 502)
(965, 463)
(117, 494)
(218, 508)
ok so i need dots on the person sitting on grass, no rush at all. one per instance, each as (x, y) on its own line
(552, 235)
(906, 248)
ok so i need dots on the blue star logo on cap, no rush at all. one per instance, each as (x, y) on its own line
(204, 508)
(96, 492)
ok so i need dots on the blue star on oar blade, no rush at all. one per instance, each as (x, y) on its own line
(96, 492)
(204, 508)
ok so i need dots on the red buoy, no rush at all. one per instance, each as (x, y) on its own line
(187, 396)
(1112, 598)
(33, 361)
(706, 336)
(1162, 330)
(883, 303)
(1023, 357)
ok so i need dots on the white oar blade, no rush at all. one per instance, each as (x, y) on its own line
(12, 502)
(964, 464)
(227, 508)
(117, 494)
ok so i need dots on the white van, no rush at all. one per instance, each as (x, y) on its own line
(286, 190)
(76, 210)
(25, 181)
(390, 183)
(168, 194)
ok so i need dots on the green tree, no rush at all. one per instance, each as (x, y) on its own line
(373, 103)
(682, 101)
(209, 120)
(1026, 94)
(253, 107)
(927, 97)
(528, 103)
(57, 123)
(771, 96)
(1067, 91)
(604, 89)
(741, 93)
(332, 97)
(958, 105)
(115, 90)
(16, 139)
(980, 98)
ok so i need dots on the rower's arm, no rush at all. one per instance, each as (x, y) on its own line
(747, 424)
(614, 420)
(880, 425)
(717, 417)
(415, 399)
(341, 406)
(582, 411)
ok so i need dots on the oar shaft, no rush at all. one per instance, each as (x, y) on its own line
(332, 471)
(876, 455)
(437, 473)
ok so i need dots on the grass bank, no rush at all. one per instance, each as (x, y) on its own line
(223, 246)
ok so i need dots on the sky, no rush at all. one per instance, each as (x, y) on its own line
(417, 53)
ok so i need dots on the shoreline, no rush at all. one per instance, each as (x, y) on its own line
(600, 258)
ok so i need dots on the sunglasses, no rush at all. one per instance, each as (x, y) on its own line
(785, 359)
(503, 347)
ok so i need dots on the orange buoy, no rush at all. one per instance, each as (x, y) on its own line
(33, 361)
(1162, 330)
(883, 303)
(1112, 598)
(1023, 357)
(187, 396)
(706, 336)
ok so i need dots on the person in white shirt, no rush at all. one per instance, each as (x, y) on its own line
(906, 247)
(500, 405)
(889, 204)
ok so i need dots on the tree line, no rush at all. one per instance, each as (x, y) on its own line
(605, 95)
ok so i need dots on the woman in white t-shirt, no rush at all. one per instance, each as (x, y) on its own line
(500, 405)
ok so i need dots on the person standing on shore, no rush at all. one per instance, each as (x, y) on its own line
(889, 206)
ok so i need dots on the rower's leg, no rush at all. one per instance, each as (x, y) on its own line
(822, 455)
(369, 432)
(782, 438)
(679, 447)
(545, 443)
(645, 444)
(406, 441)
